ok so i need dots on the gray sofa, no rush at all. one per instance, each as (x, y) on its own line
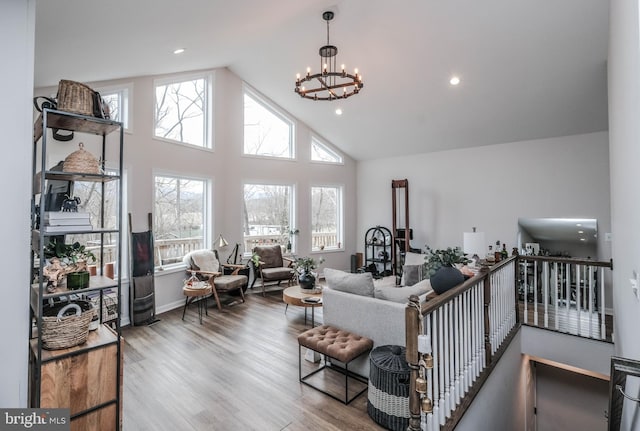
(354, 302)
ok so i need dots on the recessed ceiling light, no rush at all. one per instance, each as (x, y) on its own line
(178, 51)
(455, 80)
(580, 231)
(338, 111)
(578, 224)
(582, 239)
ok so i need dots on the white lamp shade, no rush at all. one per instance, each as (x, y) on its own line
(474, 243)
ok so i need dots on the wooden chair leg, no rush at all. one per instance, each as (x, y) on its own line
(215, 295)
(241, 294)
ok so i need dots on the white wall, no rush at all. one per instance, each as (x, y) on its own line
(490, 187)
(502, 402)
(569, 401)
(624, 136)
(17, 29)
(228, 169)
(624, 132)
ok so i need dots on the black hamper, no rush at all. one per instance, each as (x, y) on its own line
(388, 401)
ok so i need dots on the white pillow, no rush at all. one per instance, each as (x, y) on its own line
(205, 260)
(358, 284)
(402, 294)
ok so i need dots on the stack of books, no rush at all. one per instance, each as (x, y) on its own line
(59, 221)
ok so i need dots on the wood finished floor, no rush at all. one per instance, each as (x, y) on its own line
(238, 370)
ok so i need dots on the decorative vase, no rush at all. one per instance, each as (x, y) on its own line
(446, 278)
(77, 280)
(307, 280)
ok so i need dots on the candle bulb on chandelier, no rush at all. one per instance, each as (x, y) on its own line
(324, 69)
(308, 71)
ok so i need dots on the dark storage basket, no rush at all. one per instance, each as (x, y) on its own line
(388, 400)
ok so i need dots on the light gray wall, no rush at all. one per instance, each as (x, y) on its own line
(624, 133)
(228, 169)
(569, 401)
(17, 24)
(583, 353)
(490, 187)
(502, 402)
(624, 108)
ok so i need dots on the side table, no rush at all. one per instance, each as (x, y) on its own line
(197, 293)
(307, 298)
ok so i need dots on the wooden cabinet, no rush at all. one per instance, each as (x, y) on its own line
(86, 378)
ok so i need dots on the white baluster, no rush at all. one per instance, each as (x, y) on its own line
(452, 363)
(578, 302)
(603, 327)
(441, 365)
(446, 359)
(526, 290)
(556, 294)
(535, 292)
(590, 276)
(436, 333)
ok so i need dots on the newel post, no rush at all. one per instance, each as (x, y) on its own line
(412, 325)
(487, 325)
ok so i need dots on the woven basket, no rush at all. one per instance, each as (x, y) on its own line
(65, 331)
(75, 97)
(81, 161)
(388, 396)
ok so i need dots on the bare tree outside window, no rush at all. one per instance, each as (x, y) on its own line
(267, 214)
(322, 153)
(180, 217)
(266, 132)
(180, 112)
(326, 216)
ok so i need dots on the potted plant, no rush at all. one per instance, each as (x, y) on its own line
(304, 267)
(68, 260)
(440, 267)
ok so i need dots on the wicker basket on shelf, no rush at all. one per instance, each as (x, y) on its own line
(81, 161)
(75, 97)
(61, 330)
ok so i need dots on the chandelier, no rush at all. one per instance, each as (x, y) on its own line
(331, 83)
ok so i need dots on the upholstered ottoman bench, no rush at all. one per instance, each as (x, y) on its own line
(337, 344)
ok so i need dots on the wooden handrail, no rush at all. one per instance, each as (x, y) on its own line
(570, 260)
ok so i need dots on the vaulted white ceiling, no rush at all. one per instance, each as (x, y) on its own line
(529, 68)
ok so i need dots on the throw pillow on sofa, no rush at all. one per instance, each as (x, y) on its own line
(412, 274)
(402, 294)
(358, 284)
(411, 260)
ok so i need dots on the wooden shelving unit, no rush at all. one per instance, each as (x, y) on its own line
(86, 378)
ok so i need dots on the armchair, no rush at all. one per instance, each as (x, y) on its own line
(272, 267)
(207, 267)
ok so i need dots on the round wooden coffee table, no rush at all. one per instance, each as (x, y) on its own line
(295, 295)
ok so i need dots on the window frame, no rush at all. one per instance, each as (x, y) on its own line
(127, 106)
(339, 217)
(328, 148)
(207, 205)
(277, 112)
(292, 214)
(209, 113)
